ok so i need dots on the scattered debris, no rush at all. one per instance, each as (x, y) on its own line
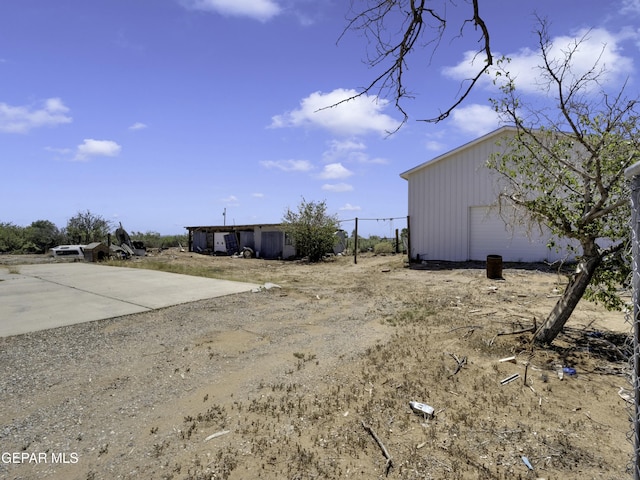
(531, 329)
(469, 327)
(461, 363)
(217, 434)
(124, 247)
(509, 379)
(508, 359)
(526, 461)
(423, 408)
(569, 371)
(266, 286)
(626, 395)
(385, 452)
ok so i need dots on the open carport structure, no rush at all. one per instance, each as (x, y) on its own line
(267, 240)
(38, 297)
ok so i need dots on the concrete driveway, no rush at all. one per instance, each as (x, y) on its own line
(43, 296)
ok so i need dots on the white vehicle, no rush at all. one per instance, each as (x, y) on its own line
(68, 251)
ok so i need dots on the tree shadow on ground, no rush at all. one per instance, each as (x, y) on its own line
(600, 345)
(437, 265)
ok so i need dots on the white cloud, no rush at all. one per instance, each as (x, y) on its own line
(138, 126)
(350, 151)
(355, 117)
(261, 10)
(21, 119)
(257, 195)
(335, 171)
(342, 148)
(630, 7)
(467, 67)
(350, 208)
(525, 63)
(231, 201)
(61, 151)
(97, 148)
(288, 165)
(476, 119)
(434, 145)
(337, 187)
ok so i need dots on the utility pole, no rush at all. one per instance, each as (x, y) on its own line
(224, 216)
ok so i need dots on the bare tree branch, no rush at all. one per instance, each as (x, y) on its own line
(420, 27)
(568, 171)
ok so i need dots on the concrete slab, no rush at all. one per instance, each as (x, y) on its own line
(42, 296)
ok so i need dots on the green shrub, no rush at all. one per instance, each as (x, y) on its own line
(382, 247)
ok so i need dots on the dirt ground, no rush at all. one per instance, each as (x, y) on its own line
(313, 379)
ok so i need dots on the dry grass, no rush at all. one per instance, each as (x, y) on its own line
(311, 427)
(293, 402)
(480, 430)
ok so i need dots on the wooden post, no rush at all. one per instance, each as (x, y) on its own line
(397, 242)
(355, 244)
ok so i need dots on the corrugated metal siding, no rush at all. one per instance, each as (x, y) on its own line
(199, 241)
(490, 235)
(442, 197)
(439, 197)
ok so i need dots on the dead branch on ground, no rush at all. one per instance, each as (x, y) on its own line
(385, 452)
(531, 329)
(460, 361)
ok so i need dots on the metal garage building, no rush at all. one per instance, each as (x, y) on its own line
(453, 209)
(267, 240)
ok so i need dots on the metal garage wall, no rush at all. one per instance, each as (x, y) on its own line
(272, 245)
(440, 193)
(246, 240)
(490, 235)
(199, 241)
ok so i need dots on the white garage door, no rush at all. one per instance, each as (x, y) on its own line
(488, 235)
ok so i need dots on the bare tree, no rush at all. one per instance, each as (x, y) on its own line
(399, 29)
(565, 168)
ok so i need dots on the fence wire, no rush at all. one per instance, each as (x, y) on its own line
(633, 318)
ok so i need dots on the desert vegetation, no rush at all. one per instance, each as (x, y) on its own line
(282, 383)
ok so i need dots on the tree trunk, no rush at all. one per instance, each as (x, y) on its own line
(579, 282)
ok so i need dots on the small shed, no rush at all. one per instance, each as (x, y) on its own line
(96, 252)
(267, 240)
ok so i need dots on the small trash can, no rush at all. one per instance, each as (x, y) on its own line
(494, 267)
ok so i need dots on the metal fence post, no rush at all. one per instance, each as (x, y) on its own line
(633, 174)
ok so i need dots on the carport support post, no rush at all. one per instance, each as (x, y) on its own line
(355, 244)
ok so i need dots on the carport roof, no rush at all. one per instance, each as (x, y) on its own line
(232, 228)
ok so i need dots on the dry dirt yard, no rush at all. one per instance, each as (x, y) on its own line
(297, 382)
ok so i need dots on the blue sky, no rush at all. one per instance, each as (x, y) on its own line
(161, 114)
